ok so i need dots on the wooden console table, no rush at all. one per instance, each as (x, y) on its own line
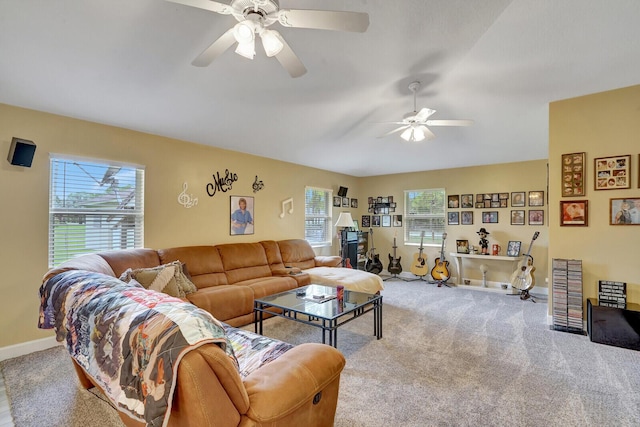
(459, 257)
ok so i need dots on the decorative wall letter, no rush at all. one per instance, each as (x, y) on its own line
(220, 183)
(284, 203)
(187, 200)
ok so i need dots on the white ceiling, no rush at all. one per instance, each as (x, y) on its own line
(127, 63)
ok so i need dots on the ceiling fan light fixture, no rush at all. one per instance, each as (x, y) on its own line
(418, 133)
(248, 50)
(244, 31)
(272, 42)
(407, 135)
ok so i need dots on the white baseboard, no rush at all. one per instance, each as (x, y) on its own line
(16, 350)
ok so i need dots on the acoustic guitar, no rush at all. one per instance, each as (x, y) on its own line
(373, 264)
(440, 271)
(522, 279)
(419, 266)
(394, 263)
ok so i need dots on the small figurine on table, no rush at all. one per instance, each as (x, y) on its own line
(484, 243)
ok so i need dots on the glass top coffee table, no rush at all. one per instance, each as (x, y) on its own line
(318, 306)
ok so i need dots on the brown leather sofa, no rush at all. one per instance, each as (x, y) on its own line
(300, 388)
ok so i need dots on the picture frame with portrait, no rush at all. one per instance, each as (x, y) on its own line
(517, 217)
(366, 221)
(397, 220)
(574, 213)
(536, 198)
(453, 218)
(624, 211)
(513, 248)
(518, 199)
(354, 203)
(536, 217)
(462, 246)
(241, 215)
(612, 173)
(337, 201)
(490, 217)
(453, 201)
(386, 220)
(466, 217)
(345, 202)
(375, 220)
(466, 201)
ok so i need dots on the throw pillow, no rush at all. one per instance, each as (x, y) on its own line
(167, 278)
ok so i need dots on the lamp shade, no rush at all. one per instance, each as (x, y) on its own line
(272, 42)
(344, 220)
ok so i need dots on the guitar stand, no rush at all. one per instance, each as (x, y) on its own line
(395, 276)
(440, 283)
(525, 295)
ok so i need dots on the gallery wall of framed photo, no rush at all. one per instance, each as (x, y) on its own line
(529, 208)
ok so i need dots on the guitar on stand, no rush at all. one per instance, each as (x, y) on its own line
(522, 279)
(440, 271)
(419, 266)
(373, 264)
(394, 263)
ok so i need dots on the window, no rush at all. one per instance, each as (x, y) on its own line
(317, 216)
(93, 207)
(424, 210)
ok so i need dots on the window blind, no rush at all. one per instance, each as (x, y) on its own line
(94, 206)
(424, 210)
(317, 215)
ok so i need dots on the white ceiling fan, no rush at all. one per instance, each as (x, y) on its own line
(414, 124)
(254, 16)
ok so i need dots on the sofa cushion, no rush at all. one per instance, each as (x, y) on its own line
(204, 264)
(270, 285)
(274, 258)
(297, 253)
(244, 261)
(120, 260)
(224, 302)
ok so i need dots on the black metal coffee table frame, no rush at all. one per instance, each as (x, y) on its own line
(328, 315)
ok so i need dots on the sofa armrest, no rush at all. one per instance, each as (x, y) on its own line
(287, 387)
(328, 261)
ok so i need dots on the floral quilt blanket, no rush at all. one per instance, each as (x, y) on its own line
(130, 340)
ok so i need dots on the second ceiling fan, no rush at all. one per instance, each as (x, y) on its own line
(414, 124)
(255, 16)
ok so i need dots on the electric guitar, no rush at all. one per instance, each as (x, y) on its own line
(440, 270)
(419, 266)
(522, 279)
(394, 263)
(373, 264)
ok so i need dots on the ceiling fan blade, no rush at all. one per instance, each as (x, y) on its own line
(211, 5)
(401, 128)
(449, 122)
(324, 20)
(423, 114)
(215, 49)
(288, 59)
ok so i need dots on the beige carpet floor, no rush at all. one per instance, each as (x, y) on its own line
(449, 357)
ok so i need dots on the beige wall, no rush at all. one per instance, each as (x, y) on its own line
(601, 125)
(169, 163)
(499, 178)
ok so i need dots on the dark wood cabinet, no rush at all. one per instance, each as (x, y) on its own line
(615, 326)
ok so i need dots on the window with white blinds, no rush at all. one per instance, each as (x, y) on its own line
(424, 210)
(93, 207)
(317, 216)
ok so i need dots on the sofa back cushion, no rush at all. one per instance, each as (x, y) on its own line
(120, 260)
(297, 253)
(244, 261)
(274, 258)
(203, 264)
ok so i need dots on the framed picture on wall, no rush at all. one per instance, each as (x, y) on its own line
(345, 202)
(624, 211)
(397, 220)
(386, 220)
(517, 217)
(241, 215)
(462, 246)
(466, 201)
(366, 221)
(573, 174)
(536, 217)
(574, 213)
(354, 203)
(490, 217)
(337, 201)
(466, 217)
(513, 249)
(375, 220)
(517, 199)
(612, 172)
(536, 198)
(453, 201)
(453, 218)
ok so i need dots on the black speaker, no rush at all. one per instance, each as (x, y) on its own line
(342, 192)
(21, 152)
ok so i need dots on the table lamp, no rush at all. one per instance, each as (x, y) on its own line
(346, 222)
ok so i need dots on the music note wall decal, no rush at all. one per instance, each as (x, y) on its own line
(284, 203)
(187, 200)
(257, 185)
